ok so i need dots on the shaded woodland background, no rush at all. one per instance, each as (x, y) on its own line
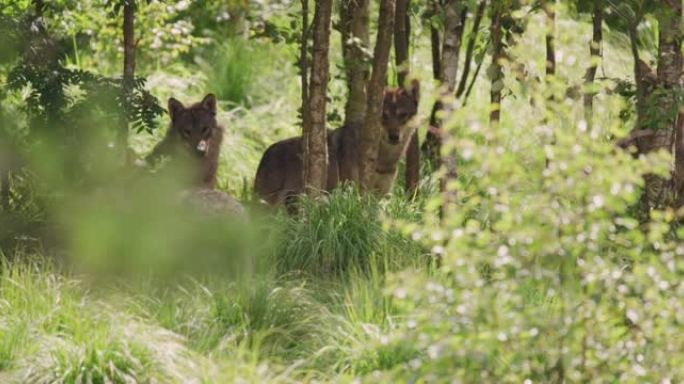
(534, 233)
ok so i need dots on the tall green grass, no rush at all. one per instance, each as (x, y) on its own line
(233, 69)
(52, 331)
(344, 233)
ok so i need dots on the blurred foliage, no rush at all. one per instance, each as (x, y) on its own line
(58, 96)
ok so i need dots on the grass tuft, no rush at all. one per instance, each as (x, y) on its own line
(344, 233)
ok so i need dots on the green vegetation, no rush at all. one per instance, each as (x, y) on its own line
(544, 268)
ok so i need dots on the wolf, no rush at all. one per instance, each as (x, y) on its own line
(279, 175)
(194, 136)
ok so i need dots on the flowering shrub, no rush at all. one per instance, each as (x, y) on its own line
(547, 274)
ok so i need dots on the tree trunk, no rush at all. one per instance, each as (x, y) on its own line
(470, 49)
(595, 51)
(315, 136)
(497, 56)
(550, 10)
(445, 69)
(436, 55)
(373, 122)
(401, 40)
(401, 53)
(678, 182)
(304, 60)
(657, 190)
(430, 146)
(669, 45)
(356, 39)
(129, 46)
(475, 75)
(451, 49)
(669, 79)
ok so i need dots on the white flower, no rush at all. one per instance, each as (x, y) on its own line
(400, 293)
(467, 153)
(597, 201)
(632, 316)
(582, 126)
(639, 370)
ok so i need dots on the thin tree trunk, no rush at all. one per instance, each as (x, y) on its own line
(430, 146)
(356, 40)
(470, 49)
(401, 40)
(412, 173)
(373, 123)
(475, 75)
(497, 56)
(314, 137)
(129, 46)
(595, 51)
(678, 181)
(436, 55)
(401, 53)
(550, 10)
(304, 60)
(640, 70)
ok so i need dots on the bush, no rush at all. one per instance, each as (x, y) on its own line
(547, 274)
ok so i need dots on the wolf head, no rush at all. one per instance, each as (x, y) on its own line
(195, 125)
(399, 106)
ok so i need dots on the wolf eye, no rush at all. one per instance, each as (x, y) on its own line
(205, 130)
(186, 132)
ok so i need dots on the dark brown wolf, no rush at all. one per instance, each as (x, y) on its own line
(194, 136)
(279, 175)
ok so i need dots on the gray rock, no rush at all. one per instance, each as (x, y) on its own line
(213, 201)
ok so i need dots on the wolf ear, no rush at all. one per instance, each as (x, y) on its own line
(175, 107)
(414, 89)
(209, 103)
